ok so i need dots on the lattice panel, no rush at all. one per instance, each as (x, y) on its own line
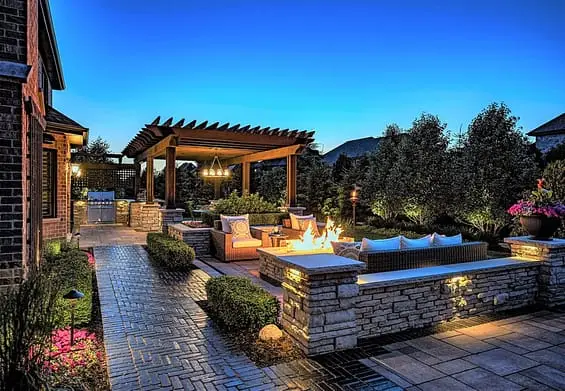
(120, 178)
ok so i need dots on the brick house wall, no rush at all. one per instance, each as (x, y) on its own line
(13, 146)
(59, 226)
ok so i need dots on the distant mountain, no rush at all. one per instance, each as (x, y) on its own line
(353, 148)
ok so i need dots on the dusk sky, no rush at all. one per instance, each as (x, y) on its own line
(344, 69)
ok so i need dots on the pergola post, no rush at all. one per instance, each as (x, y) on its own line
(170, 177)
(150, 180)
(291, 171)
(136, 180)
(245, 177)
(217, 189)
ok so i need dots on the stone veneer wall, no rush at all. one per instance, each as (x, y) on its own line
(80, 213)
(122, 212)
(552, 266)
(197, 238)
(405, 305)
(170, 217)
(145, 217)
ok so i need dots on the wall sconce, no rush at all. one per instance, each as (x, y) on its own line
(75, 170)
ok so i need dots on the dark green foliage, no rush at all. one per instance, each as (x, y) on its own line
(254, 218)
(247, 203)
(95, 152)
(271, 184)
(554, 175)
(26, 321)
(496, 165)
(314, 183)
(169, 252)
(239, 304)
(556, 153)
(70, 270)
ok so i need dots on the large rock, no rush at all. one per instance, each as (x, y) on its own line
(270, 333)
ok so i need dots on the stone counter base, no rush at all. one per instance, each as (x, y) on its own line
(197, 238)
(403, 306)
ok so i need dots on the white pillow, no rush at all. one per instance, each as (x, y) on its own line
(424, 242)
(382, 244)
(227, 219)
(441, 240)
(294, 224)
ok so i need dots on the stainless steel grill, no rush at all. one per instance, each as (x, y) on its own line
(101, 207)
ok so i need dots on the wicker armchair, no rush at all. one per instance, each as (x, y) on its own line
(413, 258)
(224, 250)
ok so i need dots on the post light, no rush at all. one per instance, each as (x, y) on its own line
(354, 198)
(73, 295)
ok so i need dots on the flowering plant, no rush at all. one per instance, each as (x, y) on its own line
(540, 202)
(65, 362)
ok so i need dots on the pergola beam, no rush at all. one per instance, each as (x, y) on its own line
(158, 149)
(277, 153)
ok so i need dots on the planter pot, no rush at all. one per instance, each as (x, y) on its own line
(539, 226)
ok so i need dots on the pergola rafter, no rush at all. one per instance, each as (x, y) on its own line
(233, 144)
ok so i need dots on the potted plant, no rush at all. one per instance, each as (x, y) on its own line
(540, 214)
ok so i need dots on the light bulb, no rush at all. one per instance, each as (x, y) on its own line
(205, 172)
(226, 172)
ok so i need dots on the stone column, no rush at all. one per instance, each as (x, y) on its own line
(170, 217)
(319, 296)
(551, 277)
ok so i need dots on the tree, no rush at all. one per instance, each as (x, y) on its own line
(497, 166)
(271, 184)
(417, 176)
(378, 190)
(95, 152)
(554, 175)
(314, 183)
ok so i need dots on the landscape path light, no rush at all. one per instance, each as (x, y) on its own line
(73, 295)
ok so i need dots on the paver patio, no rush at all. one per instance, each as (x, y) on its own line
(158, 337)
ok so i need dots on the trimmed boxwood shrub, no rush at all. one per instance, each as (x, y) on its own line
(239, 304)
(268, 218)
(169, 252)
(70, 270)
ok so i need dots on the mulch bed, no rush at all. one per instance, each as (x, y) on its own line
(262, 353)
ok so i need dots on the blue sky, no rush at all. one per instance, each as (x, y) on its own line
(342, 68)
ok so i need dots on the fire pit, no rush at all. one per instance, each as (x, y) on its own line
(271, 268)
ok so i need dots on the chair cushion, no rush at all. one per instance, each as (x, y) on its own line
(423, 242)
(240, 229)
(244, 243)
(295, 218)
(226, 221)
(440, 240)
(347, 249)
(382, 244)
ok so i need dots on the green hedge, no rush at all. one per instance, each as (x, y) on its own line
(239, 304)
(169, 252)
(70, 269)
(270, 218)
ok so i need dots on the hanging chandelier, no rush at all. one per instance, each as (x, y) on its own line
(215, 170)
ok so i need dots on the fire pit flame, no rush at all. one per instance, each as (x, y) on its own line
(309, 241)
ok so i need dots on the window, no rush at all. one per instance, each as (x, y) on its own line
(49, 183)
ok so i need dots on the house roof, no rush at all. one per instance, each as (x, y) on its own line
(555, 126)
(48, 46)
(199, 140)
(58, 122)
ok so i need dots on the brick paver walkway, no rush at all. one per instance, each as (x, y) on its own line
(157, 337)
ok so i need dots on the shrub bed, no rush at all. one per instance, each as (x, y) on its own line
(70, 269)
(267, 218)
(241, 305)
(169, 252)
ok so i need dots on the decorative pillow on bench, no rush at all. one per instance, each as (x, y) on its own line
(382, 244)
(442, 240)
(423, 242)
(301, 223)
(347, 249)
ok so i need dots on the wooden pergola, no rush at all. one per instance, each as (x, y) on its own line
(201, 142)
